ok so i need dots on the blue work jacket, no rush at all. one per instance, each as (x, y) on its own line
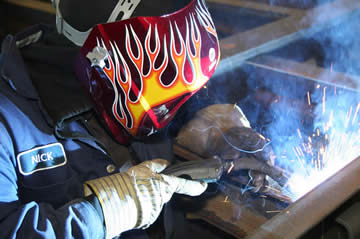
(42, 174)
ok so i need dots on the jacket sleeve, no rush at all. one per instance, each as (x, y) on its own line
(76, 219)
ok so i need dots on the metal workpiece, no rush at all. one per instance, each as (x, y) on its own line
(349, 219)
(309, 210)
(238, 48)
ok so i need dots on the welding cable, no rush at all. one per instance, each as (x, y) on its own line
(135, 198)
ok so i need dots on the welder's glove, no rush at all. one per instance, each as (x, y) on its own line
(208, 126)
(223, 130)
(134, 199)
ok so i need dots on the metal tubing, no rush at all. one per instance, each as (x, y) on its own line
(308, 211)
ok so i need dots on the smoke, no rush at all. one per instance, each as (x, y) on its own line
(317, 141)
(340, 47)
(313, 125)
(334, 143)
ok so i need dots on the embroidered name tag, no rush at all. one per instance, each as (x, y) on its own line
(41, 158)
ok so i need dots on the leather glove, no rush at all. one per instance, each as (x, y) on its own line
(135, 198)
(252, 148)
(208, 125)
(223, 130)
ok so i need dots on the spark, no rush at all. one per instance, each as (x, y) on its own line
(301, 153)
(274, 211)
(322, 149)
(329, 124)
(341, 146)
(356, 113)
(231, 167)
(348, 116)
(226, 200)
(261, 136)
(308, 97)
(299, 133)
(333, 144)
(324, 100)
(273, 189)
(304, 147)
(300, 160)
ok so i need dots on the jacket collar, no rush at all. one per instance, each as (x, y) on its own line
(16, 72)
(12, 66)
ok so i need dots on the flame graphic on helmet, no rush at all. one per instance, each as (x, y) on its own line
(132, 101)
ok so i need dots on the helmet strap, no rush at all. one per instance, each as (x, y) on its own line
(127, 7)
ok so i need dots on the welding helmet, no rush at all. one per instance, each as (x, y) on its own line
(139, 71)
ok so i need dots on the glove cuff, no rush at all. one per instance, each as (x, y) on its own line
(119, 203)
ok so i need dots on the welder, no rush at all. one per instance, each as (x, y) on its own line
(82, 104)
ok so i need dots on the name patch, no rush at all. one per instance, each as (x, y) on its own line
(41, 158)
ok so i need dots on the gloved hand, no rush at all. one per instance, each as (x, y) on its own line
(135, 198)
(252, 152)
(255, 152)
(208, 126)
(223, 130)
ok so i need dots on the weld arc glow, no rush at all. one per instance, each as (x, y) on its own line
(342, 149)
(151, 90)
(341, 145)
